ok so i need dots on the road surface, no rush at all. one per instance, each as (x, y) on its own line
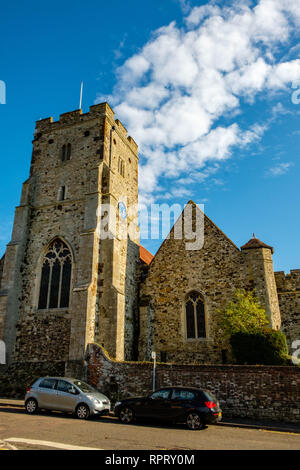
(60, 431)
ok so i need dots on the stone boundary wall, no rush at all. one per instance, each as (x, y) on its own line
(17, 377)
(257, 392)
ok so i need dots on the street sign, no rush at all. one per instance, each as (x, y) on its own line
(153, 355)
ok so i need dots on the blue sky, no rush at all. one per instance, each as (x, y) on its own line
(206, 93)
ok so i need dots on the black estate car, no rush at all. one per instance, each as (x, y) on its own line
(195, 407)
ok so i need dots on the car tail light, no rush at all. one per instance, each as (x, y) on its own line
(28, 389)
(210, 404)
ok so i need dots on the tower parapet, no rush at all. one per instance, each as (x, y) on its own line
(70, 118)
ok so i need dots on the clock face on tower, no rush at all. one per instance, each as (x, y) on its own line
(122, 210)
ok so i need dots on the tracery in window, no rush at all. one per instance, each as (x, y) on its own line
(195, 316)
(56, 276)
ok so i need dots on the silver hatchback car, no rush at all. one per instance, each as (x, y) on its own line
(65, 394)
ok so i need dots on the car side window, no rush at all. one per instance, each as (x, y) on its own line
(48, 383)
(64, 386)
(185, 395)
(161, 395)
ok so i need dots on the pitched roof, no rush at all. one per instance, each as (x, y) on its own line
(145, 255)
(256, 243)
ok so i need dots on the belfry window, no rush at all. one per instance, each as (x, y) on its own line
(68, 155)
(56, 277)
(121, 167)
(66, 152)
(63, 153)
(195, 316)
(62, 193)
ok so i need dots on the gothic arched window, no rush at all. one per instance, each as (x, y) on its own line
(195, 316)
(56, 276)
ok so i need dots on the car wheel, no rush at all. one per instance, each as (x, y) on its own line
(31, 406)
(194, 421)
(126, 415)
(82, 411)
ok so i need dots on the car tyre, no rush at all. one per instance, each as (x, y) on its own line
(82, 411)
(126, 415)
(31, 406)
(194, 421)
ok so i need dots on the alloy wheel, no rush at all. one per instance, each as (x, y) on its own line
(82, 412)
(194, 421)
(126, 415)
(31, 406)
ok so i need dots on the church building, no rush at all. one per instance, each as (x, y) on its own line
(69, 277)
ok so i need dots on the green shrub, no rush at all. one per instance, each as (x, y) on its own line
(267, 347)
(243, 314)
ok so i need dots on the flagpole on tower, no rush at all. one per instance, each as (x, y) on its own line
(80, 101)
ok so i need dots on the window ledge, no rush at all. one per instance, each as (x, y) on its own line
(194, 340)
(51, 311)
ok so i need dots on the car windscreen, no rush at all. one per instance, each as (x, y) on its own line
(85, 388)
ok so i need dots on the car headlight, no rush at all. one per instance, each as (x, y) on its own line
(95, 400)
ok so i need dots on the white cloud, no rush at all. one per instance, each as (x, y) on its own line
(173, 92)
(199, 13)
(185, 6)
(279, 170)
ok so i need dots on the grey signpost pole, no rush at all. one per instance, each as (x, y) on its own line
(2, 353)
(154, 369)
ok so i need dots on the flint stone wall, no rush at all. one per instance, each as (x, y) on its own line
(16, 378)
(257, 392)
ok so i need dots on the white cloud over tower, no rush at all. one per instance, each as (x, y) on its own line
(174, 92)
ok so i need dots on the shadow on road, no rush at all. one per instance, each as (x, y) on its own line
(104, 419)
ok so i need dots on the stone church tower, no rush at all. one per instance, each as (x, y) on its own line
(62, 286)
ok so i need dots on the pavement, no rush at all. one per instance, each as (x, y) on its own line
(267, 425)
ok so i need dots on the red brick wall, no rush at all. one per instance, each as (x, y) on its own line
(259, 392)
